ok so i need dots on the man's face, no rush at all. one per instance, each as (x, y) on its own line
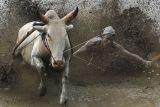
(105, 39)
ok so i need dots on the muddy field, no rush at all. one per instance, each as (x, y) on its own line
(112, 81)
(102, 89)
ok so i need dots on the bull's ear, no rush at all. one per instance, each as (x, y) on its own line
(68, 27)
(40, 28)
(38, 23)
(69, 17)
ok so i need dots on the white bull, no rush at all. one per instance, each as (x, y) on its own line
(49, 48)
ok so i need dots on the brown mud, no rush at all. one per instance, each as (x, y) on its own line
(112, 89)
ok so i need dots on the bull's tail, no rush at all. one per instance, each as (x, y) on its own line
(156, 58)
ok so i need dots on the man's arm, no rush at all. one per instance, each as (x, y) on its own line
(89, 44)
(127, 53)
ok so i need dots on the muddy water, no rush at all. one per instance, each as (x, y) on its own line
(114, 81)
(112, 89)
(135, 91)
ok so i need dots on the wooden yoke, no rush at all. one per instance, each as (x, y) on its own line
(28, 33)
(19, 43)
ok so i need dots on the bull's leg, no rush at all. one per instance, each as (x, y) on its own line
(36, 61)
(63, 96)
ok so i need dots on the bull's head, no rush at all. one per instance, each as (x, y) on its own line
(55, 30)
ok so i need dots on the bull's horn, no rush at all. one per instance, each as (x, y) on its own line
(43, 18)
(69, 17)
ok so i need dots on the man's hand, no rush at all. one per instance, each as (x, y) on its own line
(148, 64)
(151, 64)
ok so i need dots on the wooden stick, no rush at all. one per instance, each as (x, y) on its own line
(19, 43)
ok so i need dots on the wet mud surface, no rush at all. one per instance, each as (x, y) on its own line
(91, 96)
(95, 89)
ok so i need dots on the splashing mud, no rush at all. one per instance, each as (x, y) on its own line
(123, 82)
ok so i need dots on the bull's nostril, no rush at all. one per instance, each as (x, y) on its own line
(59, 62)
(55, 63)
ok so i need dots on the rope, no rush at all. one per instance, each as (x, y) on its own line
(4, 53)
(47, 46)
(76, 46)
(89, 63)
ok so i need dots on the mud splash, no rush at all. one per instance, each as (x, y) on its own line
(124, 83)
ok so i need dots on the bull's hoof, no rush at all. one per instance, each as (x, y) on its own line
(64, 102)
(42, 91)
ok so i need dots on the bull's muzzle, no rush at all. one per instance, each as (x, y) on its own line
(58, 64)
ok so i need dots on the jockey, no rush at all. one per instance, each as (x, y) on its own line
(107, 38)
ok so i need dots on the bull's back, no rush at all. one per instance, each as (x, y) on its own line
(25, 48)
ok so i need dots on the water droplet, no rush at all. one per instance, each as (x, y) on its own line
(149, 78)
